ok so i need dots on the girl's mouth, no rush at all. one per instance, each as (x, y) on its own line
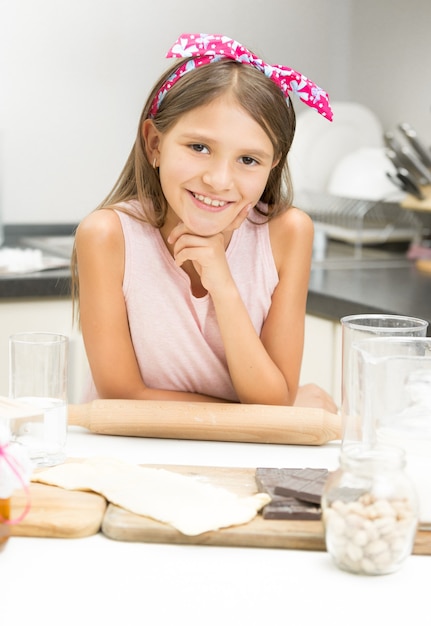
(209, 202)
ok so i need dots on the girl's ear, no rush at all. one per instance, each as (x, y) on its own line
(275, 163)
(151, 137)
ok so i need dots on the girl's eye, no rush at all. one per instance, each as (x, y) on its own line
(249, 160)
(199, 147)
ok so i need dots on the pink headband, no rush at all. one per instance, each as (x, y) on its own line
(208, 48)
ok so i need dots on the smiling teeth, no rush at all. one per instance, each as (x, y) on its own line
(208, 201)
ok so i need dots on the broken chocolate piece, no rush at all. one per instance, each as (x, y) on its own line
(306, 484)
(282, 507)
(270, 477)
(291, 508)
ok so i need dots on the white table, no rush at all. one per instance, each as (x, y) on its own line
(96, 580)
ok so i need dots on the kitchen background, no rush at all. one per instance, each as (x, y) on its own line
(74, 75)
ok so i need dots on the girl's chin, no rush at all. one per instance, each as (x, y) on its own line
(205, 232)
(206, 227)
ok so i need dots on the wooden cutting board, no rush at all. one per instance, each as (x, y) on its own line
(56, 512)
(412, 203)
(260, 533)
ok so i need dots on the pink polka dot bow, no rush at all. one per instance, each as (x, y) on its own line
(205, 49)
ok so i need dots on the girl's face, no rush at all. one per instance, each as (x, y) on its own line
(212, 163)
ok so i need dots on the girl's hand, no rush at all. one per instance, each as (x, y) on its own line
(207, 254)
(313, 396)
(242, 215)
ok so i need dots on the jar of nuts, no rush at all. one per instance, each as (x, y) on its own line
(370, 510)
(15, 472)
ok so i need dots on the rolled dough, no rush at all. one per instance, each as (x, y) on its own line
(190, 505)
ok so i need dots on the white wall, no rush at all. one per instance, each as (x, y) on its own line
(77, 73)
(391, 61)
(74, 75)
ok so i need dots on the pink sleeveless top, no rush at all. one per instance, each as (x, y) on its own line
(175, 335)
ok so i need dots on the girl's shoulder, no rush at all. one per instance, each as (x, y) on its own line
(99, 246)
(287, 219)
(100, 225)
(291, 234)
(292, 218)
(291, 224)
(106, 222)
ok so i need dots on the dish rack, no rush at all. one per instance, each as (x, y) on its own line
(358, 221)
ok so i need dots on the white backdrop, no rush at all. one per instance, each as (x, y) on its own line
(74, 75)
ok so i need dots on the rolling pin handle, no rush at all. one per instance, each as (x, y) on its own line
(79, 415)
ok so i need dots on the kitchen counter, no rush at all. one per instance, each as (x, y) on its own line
(334, 293)
(104, 581)
(334, 290)
(47, 283)
(110, 582)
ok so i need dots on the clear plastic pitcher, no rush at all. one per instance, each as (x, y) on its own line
(392, 400)
(357, 328)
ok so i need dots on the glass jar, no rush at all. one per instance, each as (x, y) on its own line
(370, 510)
(15, 472)
(4, 518)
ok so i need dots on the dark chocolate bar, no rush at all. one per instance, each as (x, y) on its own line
(282, 507)
(270, 477)
(305, 484)
(291, 508)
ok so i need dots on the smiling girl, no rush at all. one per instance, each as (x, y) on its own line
(192, 275)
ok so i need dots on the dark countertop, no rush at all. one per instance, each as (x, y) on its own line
(36, 284)
(400, 289)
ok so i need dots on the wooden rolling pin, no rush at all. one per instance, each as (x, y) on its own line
(249, 423)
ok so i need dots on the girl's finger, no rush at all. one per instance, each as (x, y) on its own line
(242, 215)
(176, 232)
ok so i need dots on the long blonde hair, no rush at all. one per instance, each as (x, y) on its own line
(257, 94)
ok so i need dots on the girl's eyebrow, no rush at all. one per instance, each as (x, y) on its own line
(205, 139)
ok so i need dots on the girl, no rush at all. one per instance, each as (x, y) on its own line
(192, 275)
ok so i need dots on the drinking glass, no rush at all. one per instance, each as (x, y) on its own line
(38, 377)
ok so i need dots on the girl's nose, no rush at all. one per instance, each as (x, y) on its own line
(218, 175)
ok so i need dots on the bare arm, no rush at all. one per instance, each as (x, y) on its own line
(100, 253)
(264, 369)
(267, 368)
